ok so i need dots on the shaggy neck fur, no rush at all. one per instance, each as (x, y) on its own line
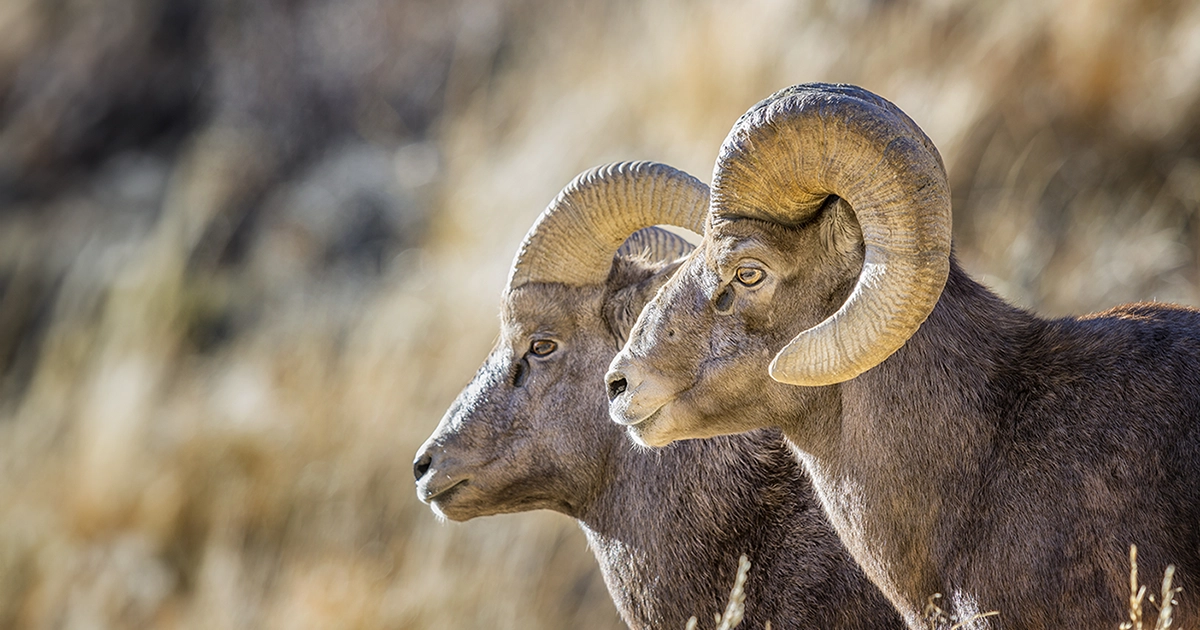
(1027, 448)
(669, 525)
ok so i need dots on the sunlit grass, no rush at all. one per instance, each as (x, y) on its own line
(937, 618)
(265, 481)
(736, 608)
(1165, 600)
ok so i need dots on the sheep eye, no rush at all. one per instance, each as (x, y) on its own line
(542, 347)
(750, 276)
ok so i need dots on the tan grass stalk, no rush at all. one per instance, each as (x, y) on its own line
(1137, 595)
(736, 608)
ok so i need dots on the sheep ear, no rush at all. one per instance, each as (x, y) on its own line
(840, 232)
(655, 244)
(620, 313)
(641, 265)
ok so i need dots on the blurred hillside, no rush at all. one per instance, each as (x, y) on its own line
(249, 252)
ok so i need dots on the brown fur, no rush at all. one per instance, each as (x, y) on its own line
(666, 526)
(1000, 459)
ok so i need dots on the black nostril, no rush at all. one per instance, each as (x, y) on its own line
(616, 387)
(421, 466)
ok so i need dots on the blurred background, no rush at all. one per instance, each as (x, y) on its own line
(250, 251)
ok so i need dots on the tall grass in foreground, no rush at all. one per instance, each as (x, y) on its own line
(937, 618)
(1137, 595)
(736, 607)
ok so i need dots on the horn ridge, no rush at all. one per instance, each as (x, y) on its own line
(574, 239)
(656, 244)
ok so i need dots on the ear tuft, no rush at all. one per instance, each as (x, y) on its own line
(841, 233)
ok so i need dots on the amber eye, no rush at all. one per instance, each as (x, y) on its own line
(542, 347)
(750, 276)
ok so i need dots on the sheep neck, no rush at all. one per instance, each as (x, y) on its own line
(668, 526)
(896, 471)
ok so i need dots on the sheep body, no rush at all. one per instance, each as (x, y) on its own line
(1003, 461)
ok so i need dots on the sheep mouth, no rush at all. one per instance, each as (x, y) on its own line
(629, 410)
(649, 431)
(430, 496)
(647, 419)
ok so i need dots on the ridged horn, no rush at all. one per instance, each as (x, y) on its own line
(655, 244)
(574, 239)
(786, 155)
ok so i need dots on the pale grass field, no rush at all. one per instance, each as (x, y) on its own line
(266, 483)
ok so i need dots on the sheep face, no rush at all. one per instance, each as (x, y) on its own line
(508, 443)
(696, 361)
(529, 431)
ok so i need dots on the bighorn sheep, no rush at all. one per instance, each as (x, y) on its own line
(532, 431)
(958, 444)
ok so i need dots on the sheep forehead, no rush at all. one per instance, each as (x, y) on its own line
(731, 241)
(548, 309)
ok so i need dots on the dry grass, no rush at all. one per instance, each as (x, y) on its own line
(1165, 601)
(936, 618)
(736, 608)
(198, 441)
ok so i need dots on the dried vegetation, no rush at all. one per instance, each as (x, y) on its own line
(250, 251)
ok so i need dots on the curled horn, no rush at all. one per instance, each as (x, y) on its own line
(574, 239)
(655, 244)
(786, 155)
